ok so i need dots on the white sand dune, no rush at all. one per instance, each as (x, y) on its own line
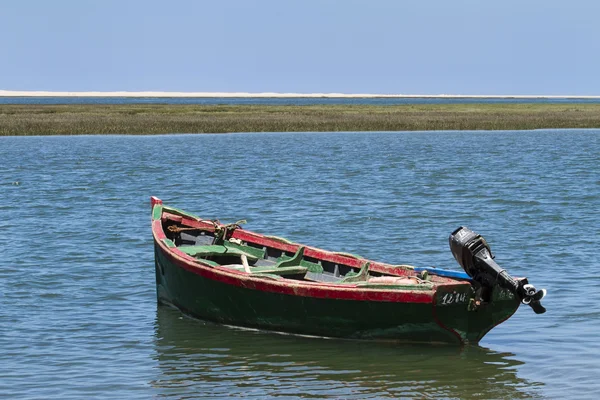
(26, 93)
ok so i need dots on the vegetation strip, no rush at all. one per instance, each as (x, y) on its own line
(28, 119)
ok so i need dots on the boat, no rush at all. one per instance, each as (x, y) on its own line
(229, 275)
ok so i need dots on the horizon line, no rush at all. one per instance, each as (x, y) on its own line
(158, 94)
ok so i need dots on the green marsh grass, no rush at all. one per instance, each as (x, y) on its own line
(19, 120)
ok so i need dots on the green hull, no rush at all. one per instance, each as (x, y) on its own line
(445, 318)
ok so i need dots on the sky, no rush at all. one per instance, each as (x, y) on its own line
(481, 47)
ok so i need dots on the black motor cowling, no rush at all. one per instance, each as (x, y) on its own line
(473, 254)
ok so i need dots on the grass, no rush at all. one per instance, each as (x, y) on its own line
(22, 120)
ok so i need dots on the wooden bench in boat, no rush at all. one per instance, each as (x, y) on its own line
(230, 254)
(226, 249)
(284, 266)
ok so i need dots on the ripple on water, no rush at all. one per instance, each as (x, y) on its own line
(78, 314)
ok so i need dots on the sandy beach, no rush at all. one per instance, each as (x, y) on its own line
(25, 93)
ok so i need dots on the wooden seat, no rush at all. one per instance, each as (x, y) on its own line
(296, 260)
(282, 267)
(283, 271)
(360, 276)
(226, 249)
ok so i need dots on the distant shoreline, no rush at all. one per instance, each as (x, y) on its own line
(24, 93)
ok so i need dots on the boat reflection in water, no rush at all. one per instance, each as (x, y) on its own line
(196, 358)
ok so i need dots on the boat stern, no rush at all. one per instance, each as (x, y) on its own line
(460, 310)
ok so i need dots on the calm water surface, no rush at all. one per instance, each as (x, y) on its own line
(78, 313)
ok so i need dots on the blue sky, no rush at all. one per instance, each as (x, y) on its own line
(387, 46)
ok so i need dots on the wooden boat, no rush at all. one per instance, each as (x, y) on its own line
(229, 275)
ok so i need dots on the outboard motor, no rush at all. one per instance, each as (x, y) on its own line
(473, 254)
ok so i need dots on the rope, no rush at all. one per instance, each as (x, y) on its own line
(221, 231)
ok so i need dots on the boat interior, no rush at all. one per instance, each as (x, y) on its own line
(233, 248)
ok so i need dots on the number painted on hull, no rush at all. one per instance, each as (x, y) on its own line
(453, 298)
(504, 294)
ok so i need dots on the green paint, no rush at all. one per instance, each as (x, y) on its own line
(312, 267)
(209, 262)
(253, 251)
(215, 250)
(169, 243)
(224, 303)
(157, 212)
(361, 276)
(228, 304)
(293, 261)
(473, 324)
(280, 271)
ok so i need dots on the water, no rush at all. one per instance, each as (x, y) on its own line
(297, 101)
(78, 314)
